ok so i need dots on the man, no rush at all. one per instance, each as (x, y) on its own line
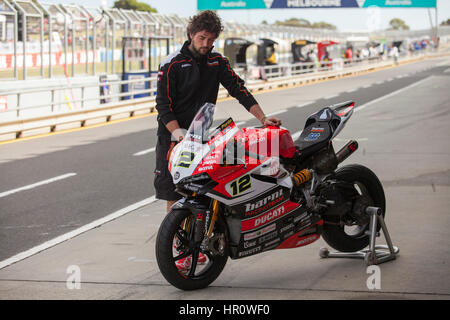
(187, 79)
(348, 55)
(394, 53)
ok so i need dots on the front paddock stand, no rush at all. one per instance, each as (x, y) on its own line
(376, 254)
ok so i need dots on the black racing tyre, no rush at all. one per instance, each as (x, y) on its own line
(366, 183)
(174, 229)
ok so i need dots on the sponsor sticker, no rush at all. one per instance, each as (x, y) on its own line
(289, 226)
(249, 244)
(269, 216)
(272, 242)
(212, 64)
(249, 252)
(313, 136)
(205, 168)
(287, 235)
(300, 217)
(268, 237)
(263, 231)
(307, 240)
(160, 74)
(253, 208)
(296, 241)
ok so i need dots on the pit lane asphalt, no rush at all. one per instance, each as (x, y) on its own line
(109, 178)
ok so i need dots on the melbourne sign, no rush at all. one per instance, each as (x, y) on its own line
(304, 4)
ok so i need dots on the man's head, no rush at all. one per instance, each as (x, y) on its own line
(203, 30)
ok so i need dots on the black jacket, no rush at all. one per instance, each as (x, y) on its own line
(186, 84)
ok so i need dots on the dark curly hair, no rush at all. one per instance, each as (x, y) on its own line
(206, 20)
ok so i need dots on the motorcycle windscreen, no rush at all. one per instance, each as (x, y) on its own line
(189, 156)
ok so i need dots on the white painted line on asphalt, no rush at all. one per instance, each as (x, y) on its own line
(276, 112)
(305, 104)
(37, 184)
(443, 63)
(296, 135)
(367, 86)
(391, 94)
(447, 70)
(141, 153)
(74, 233)
(352, 90)
(331, 97)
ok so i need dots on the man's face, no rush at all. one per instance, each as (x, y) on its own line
(202, 42)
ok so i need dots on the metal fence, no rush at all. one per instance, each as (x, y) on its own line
(56, 107)
(57, 98)
(47, 40)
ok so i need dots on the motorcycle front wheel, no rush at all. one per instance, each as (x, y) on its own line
(367, 184)
(175, 243)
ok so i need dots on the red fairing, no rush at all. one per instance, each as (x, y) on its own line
(287, 147)
(270, 141)
(295, 241)
(346, 110)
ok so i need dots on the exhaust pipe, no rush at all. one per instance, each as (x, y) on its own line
(346, 150)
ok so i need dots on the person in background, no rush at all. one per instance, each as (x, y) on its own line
(349, 55)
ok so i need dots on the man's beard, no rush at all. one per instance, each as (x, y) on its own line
(197, 52)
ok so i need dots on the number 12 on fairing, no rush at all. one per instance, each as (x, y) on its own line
(240, 185)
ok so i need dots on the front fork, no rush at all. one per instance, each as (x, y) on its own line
(215, 215)
(203, 223)
(205, 218)
(216, 243)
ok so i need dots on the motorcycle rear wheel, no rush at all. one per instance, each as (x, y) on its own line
(179, 227)
(367, 184)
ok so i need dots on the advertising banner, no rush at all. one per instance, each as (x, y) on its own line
(305, 4)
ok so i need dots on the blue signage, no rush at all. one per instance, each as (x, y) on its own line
(305, 4)
(399, 3)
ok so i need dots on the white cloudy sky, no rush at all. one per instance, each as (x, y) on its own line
(344, 19)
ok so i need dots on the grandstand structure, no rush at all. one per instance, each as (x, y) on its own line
(50, 40)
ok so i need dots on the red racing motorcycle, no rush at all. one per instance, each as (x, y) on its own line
(247, 191)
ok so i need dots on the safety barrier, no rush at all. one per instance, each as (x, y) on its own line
(91, 110)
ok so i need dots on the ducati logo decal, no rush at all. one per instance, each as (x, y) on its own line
(278, 212)
(269, 216)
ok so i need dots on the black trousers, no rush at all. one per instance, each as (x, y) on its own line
(165, 189)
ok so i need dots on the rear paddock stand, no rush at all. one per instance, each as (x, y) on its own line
(376, 254)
